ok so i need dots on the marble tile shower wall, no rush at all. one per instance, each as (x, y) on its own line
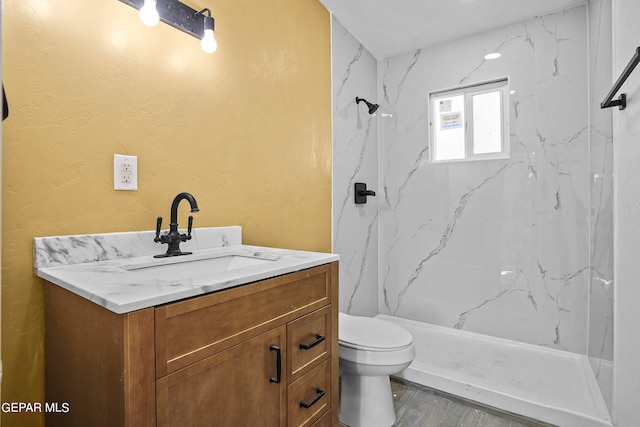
(355, 159)
(499, 247)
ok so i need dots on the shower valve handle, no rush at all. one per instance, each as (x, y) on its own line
(361, 192)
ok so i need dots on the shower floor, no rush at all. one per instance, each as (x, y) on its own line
(553, 386)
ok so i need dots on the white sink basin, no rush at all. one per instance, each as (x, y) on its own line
(198, 271)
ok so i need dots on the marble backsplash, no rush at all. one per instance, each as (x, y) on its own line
(76, 249)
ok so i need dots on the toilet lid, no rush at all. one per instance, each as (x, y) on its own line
(368, 333)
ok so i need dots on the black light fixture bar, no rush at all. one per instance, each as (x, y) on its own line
(176, 14)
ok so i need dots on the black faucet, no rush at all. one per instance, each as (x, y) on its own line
(173, 237)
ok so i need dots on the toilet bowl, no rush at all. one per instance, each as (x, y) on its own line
(369, 351)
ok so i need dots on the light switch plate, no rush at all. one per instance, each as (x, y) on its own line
(125, 172)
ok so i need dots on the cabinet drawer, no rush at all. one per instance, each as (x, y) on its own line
(324, 421)
(308, 341)
(196, 328)
(309, 397)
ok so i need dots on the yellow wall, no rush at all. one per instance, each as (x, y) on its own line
(246, 130)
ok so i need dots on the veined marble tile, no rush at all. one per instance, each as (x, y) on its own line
(499, 247)
(355, 159)
(519, 248)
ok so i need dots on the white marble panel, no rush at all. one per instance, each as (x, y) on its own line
(355, 148)
(498, 247)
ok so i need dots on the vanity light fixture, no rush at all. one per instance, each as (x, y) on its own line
(208, 42)
(177, 14)
(149, 13)
(494, 55)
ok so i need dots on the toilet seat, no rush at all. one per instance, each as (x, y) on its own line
(371, 334)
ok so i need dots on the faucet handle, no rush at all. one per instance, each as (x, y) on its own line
(158, 226)
(189, 227)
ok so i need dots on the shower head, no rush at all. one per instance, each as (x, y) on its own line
(372, 107)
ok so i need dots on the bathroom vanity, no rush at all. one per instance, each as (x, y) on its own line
(256, 344)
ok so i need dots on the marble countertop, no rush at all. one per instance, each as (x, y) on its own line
(88, 266)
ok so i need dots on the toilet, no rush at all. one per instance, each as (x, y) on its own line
(370, 350)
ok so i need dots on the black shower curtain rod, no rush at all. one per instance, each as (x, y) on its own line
(621, 102)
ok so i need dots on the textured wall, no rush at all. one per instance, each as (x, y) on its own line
(355, 159)
(499, 247)
(247, 130)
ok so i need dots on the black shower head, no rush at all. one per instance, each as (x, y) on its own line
(372, 107)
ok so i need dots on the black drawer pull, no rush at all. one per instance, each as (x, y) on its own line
(314, 400)
(319, 339)
(278, 376)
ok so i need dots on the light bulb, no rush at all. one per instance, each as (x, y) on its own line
(208, 42)
(149, 13)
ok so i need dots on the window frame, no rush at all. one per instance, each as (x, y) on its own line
(468, 91)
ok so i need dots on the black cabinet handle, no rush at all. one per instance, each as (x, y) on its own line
(314, 400)
(278, 376)
(319, 339)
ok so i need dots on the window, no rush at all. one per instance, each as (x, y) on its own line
(470, 122)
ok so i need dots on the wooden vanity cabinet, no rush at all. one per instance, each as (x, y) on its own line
(264, 353)
(227, 388)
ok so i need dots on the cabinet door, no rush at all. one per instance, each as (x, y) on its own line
(236, 387)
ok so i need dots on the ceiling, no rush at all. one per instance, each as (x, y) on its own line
(391, 27)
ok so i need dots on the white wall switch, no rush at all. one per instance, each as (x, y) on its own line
(125, 172)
